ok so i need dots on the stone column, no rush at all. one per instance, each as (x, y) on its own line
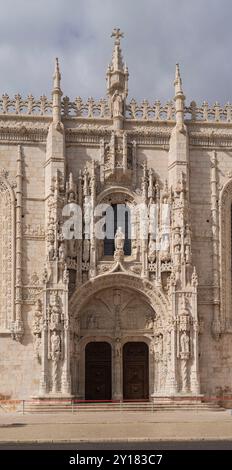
(134, 164)
(194, 372)
(66, 375)
(172, 381)
(117, 392)
(44, 350)
(124, 163)
(66, 379)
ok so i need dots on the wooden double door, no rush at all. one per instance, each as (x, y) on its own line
(98, 371)
(135, 371)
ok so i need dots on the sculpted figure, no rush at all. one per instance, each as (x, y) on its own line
(55, 346)
(119, 239)
(184, 342)
(117, 104)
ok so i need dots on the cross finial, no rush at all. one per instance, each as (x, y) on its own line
(117, 34)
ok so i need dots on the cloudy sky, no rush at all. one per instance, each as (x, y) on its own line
(158, 33)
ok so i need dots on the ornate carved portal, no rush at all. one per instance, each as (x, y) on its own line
(126, 345)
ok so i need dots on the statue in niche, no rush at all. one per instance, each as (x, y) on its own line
(55, 346)
(119, 239)
(184, 342)
(152, 251)
(118, 348)
(158, 347)
(117, 104)
(61, 251)
(150, 323)
(91, 322)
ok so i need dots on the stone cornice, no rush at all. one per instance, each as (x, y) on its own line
(34, 128)
(18, 128)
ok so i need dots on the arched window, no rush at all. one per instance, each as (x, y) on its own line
(121, 217)
(7, 252)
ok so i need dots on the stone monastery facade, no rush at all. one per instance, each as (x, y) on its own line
(125, 318)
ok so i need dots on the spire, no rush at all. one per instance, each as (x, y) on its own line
(178, 81)
(56, 94)
(179, 98)
(57, 75)
(117, 81)
(117, 60)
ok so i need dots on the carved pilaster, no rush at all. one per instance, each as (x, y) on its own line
(66, 374)
(44, 379)
(93, 245)
(18, 326)
(216, 323)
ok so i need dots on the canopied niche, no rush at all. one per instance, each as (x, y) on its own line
(121, 204)
(7, 253)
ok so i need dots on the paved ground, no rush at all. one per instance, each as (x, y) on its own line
(116, 426)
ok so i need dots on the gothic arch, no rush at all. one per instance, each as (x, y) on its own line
(154, 296)
(226, 252)
(7, 253)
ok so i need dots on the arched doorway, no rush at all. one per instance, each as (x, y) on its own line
(98, 371)
(135, 371)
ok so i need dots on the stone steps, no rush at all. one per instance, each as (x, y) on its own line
(41, 407)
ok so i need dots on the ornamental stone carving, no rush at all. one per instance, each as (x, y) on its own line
(37, 327)
(170, 165)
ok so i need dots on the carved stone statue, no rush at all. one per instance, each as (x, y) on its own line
(184, 343)
(117, 104)
(152, 251)
(158, 347)
(37, 320)
(91, 322)
(61, 251)
(118, 348)
(149, 323)
(55, 313)
(55, 346)
(119, 239)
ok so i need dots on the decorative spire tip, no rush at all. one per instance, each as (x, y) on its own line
(117, 34)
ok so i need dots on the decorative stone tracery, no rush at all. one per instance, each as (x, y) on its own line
(7, 252)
